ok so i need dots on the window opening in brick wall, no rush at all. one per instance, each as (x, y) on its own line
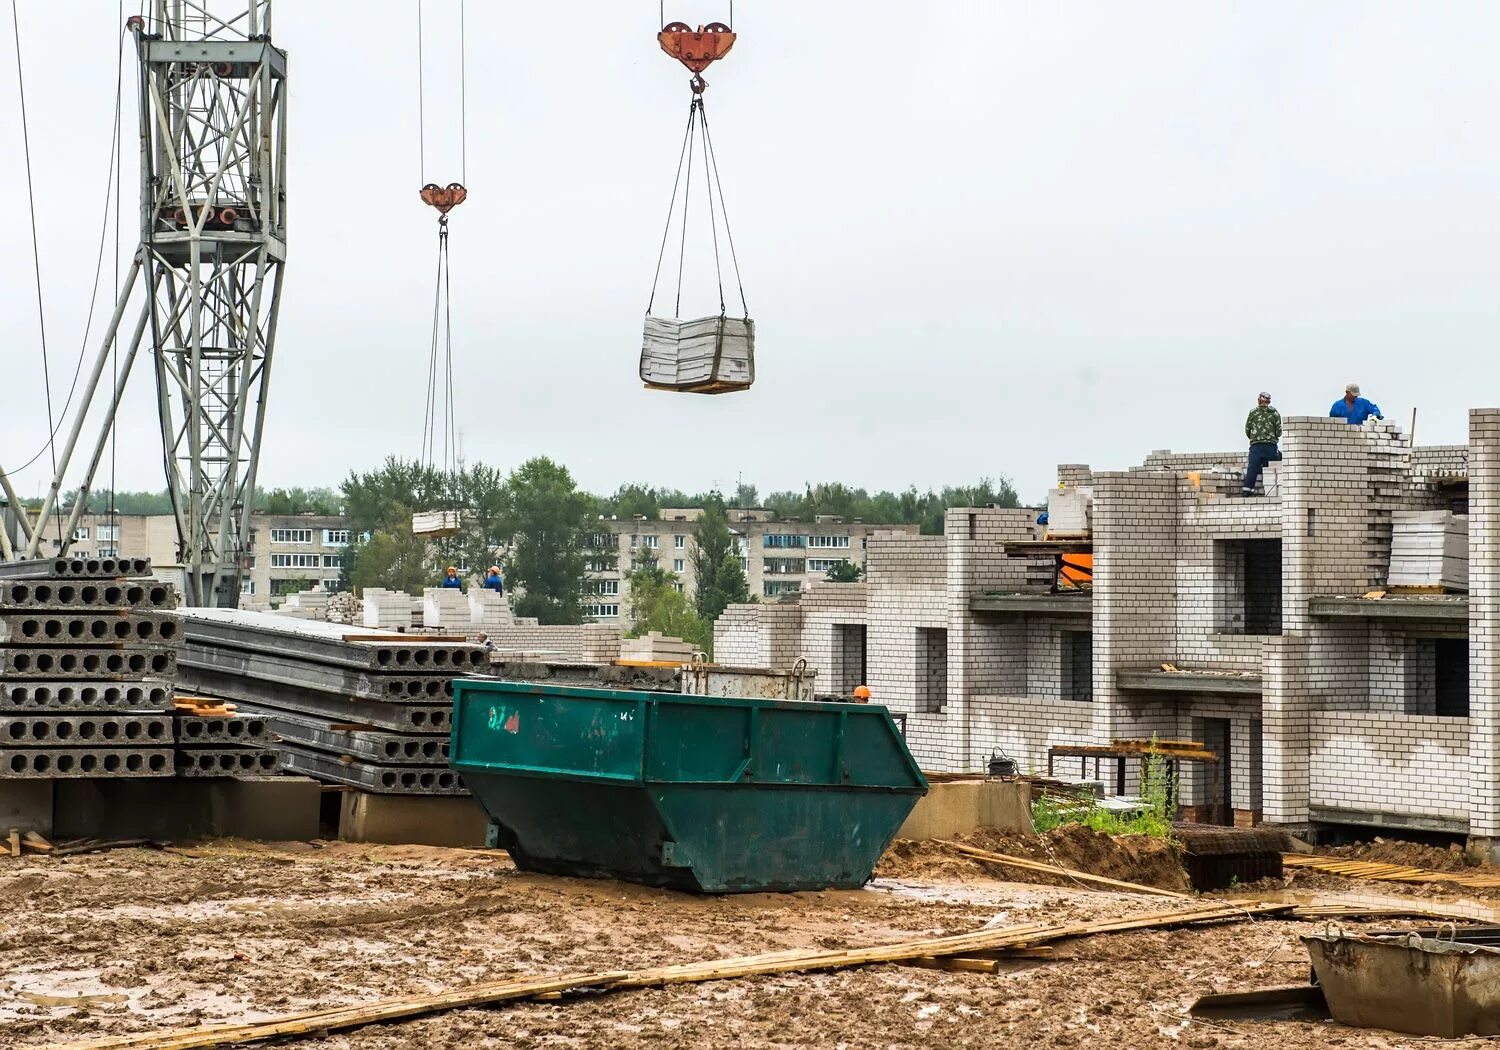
(1247, 586)
(932, 668)
(1451, 677)
(1077, 677)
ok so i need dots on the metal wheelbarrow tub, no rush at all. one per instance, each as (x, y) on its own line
(700, 793)
(1413, 984)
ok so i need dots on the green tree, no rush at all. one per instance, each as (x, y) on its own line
(298, 500)
(716, 564)
(396, 560)
(846, 572)
(657, 605)
(548, 515)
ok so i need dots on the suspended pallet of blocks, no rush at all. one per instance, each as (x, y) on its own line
(713, 354)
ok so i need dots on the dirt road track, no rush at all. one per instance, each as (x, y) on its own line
(137, 940)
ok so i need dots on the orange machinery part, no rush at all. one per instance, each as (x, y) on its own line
(696, 50)
(1077, 572)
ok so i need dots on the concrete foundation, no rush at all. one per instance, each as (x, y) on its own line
(959, 807)
(424, 820)
(277, 808)
(26, 805)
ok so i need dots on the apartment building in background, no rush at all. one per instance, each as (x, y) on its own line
(780, 557)
(288, 552)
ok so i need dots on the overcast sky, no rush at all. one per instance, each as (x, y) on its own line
(977, 238)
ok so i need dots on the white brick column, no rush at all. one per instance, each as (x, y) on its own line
(1484, 622)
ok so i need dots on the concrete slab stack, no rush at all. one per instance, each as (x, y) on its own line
(347, 705)
(88, 649)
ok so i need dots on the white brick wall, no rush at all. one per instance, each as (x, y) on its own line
(1389, 763)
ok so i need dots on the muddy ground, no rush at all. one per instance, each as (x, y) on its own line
(137, 940)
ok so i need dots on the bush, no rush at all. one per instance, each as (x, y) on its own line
(1153, 819)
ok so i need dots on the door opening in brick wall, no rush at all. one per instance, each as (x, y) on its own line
(1208, 792)
(852, 669)
(1247, 586)
(932, 668)
(1077, 679)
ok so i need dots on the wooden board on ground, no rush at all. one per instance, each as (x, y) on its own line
(1380, 872)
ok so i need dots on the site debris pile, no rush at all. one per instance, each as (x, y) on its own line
(88, 650)
(371, 710)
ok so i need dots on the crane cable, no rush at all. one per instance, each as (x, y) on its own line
(36, 259)
(112, 183)
(440, 353)
(54, 422)
(697, 135)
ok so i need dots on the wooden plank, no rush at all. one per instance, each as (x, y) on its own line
(15, 843)
(34, 842)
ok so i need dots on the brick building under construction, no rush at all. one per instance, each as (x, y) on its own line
(1248, 624)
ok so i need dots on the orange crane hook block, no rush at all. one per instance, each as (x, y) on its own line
(697, 50)
(444, 198)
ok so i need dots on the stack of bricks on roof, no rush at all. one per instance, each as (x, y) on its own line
(88, 648)
(350, 707)
(1240, 622)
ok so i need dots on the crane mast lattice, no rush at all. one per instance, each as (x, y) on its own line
(212, 102)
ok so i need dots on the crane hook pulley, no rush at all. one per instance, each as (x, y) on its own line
(696, 50)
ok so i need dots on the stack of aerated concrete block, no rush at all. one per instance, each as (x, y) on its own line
(88, 651)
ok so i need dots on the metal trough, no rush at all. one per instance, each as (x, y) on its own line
(706, 794)
(1420, 985)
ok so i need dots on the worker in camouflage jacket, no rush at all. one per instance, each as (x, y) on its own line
(1263, 428)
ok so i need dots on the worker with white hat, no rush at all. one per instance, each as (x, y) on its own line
(1263, 428)
(1353, 408)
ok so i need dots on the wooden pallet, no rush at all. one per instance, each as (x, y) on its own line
(1364, 869)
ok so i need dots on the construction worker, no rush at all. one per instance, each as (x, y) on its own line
(1353, 408)
(452, 579)
(494, 581)
(484, 640)
(861, 694)
(1263, 428)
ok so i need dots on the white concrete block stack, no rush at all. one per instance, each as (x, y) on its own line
(1430, 549)
(445, 608)
(385, 609)
(656, 647)
(1069, 512)
(489, 611)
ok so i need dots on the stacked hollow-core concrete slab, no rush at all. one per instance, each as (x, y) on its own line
(87, 651)
(346, 705)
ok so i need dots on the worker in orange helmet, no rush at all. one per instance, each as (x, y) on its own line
(451, 579)
(861, 694)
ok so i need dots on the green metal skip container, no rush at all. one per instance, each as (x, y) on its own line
(699, 793)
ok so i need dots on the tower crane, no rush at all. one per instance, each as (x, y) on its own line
(212, 102)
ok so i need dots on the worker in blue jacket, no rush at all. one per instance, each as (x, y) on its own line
(452, 579)
(494, 581)
(1353, 408)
